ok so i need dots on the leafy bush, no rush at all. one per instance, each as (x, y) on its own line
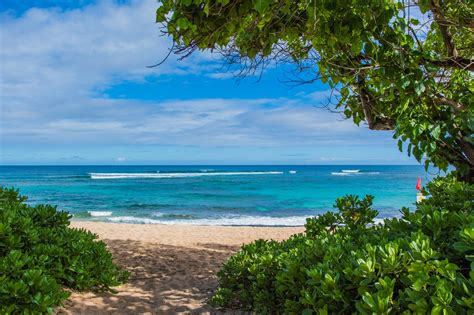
(422, 262)
(40, 256)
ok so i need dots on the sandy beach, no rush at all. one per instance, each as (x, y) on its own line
(172, 267)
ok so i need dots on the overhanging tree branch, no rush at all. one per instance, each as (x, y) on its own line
(453, 62)
(456, 106)
(443, 27)
(375, 123)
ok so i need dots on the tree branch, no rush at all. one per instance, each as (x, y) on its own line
(447, 38)
(381, 123)
(456, 106)
(467, 149)
(458, 63)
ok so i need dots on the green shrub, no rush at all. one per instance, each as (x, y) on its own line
(40, 257)
(422, 262)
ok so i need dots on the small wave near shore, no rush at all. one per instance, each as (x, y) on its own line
(223, 221)
(257, 221)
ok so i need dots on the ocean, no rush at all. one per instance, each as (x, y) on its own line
(212, 195)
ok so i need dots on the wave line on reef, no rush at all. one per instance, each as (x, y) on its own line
(172, 175)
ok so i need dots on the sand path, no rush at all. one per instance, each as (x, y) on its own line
(172, 267)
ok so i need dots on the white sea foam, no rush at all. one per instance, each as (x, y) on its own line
(353, 173)
(130, 219)
(350, 171)
(171, 175)
(379, 221)
(224, 221)
(99, 213)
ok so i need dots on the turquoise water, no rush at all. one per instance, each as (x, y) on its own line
(212, 195)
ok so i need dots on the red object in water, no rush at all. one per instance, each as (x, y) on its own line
(418, 184)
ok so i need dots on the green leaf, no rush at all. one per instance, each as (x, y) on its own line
(183, 23)
(436, 132)
(261, 5)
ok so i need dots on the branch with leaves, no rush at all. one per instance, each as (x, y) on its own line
(390, 70)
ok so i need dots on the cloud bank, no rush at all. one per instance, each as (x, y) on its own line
(57, 64)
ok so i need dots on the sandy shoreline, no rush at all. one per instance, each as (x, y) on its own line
(172, 267)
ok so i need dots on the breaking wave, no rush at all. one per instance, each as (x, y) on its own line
(223, 221)
(172, 175)
(353, 173)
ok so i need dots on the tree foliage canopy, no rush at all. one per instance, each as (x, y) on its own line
(402, 66)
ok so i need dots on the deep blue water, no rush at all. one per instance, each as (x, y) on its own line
(224, 195)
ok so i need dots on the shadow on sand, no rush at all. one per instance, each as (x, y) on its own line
(163, 279)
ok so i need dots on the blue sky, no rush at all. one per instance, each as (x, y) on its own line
(75, 89)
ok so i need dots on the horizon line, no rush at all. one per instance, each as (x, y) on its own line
(8, 165)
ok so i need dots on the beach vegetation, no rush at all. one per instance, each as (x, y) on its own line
(405, 66)
(42, 259)
(345, 261)
(400, 66)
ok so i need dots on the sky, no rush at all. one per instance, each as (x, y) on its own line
(75, 89)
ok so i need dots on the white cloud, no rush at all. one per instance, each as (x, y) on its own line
(323, 95)
(55, 65)
(222, 75)
(50, 56)
(334, 159)
(227, 122)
